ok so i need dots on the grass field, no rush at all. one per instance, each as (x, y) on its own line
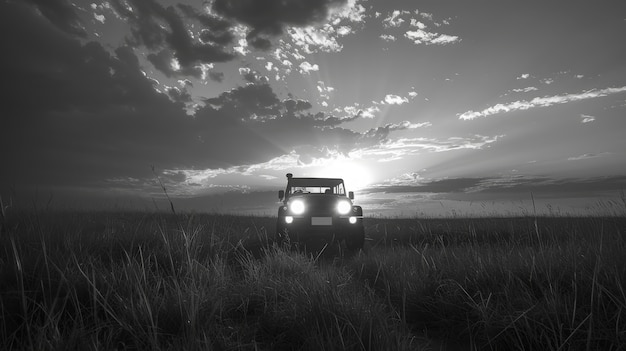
(105, 280)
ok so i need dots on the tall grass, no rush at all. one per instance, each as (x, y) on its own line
(524, 283)
(214, 282)
(159, 281)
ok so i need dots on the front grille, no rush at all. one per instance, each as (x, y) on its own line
(321, 205)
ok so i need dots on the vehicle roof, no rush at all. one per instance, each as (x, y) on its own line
(315, 182)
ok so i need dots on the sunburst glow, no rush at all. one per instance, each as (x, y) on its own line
(355, 175)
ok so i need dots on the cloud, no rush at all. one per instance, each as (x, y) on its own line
(324, 90)
(423, 37)
(540, 102)
(410, 184)
(391, 99)
(472, 188)
(586, 118)
(588, 156)
(216, 76)
(418, 32)
(370, 111)
(394, 19)
(397, 149)
(61, 14)
(249, 75)
(342, 21)
(525, 90)
(306, 68)
(356, 109)
(312, 39)
(164, 31)
(100, 122)
(178, 94)
(269, 18)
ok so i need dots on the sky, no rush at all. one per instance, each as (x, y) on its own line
(424, 108)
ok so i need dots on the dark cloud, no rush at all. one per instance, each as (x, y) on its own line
(453, 185)
(62, 14)
(163, 62)
(270, 16)
(488, 188)
(545, 185)
(77, 116)
(216, 76)
(267, 18)
(216, 27)
(250, 75)
(179, 95)
(208, 36)
(174, 40)
(74, 113)
(249, 102)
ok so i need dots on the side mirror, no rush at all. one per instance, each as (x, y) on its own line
(281, 194)
(351, 195)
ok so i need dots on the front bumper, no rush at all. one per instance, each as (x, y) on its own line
(319, 228)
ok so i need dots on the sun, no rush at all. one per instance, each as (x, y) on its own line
(355, 175)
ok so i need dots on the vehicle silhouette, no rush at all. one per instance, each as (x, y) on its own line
(317, 212)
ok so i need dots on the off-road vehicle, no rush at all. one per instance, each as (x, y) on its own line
(318, 211)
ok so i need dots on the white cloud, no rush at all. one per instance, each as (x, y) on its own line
(412, 94)
(99, 18)
(427, 15)
(312, 39)
(394, 20)
(423, 37)
(409, 125)
(344, 30)
(395, 99)
(420, 35)
(523, 76)
(588, 156)
(324, 90)
(323, 38)
(587, 119)
(418, 24)
(365, 112)
(445, 39)
(242, 49)
(404, 147)
(540, 102)
(525, 90)
(351, 11)
(306, 67)
(387, 37)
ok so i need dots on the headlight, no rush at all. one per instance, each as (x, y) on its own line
(297, 207)
(343, 207)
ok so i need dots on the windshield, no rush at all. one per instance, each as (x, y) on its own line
(337, 189)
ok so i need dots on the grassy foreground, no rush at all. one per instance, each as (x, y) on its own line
(211, 282)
